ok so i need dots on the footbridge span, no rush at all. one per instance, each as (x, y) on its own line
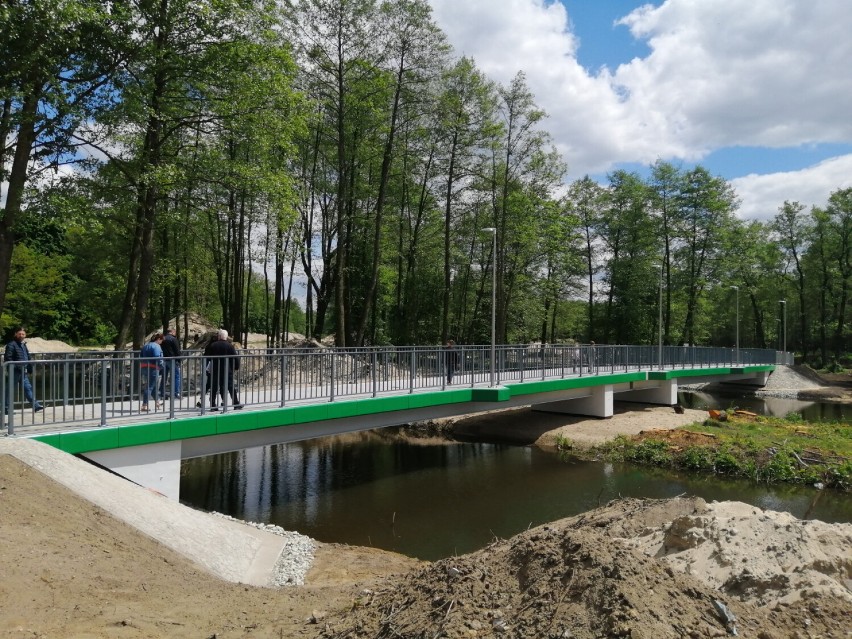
(93, 401)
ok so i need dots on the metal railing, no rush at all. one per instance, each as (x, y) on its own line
(96, 389)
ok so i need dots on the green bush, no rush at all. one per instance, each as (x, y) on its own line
(725, 462)
(650, 452)
(781, 467)
(696, 458)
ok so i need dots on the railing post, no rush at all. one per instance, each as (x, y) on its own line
(103, 395)
(11, 403)
(333, 374)
(283, 379)
(204, 381)
(65, 378)
(3, 407)
(411, 371)
(374, 361)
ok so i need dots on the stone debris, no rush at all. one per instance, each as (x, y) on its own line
(295, 559)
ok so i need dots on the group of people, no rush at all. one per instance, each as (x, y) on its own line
(160, 364)
(162, 355)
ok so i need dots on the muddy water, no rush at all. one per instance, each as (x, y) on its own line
(435, 500)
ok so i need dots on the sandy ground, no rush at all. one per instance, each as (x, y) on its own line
(524, 426)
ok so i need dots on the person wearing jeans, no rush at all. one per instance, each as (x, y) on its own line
(150, 364)
(17, 351)
(171, 364)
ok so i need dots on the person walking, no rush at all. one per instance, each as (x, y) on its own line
(151, 362)
(17, 351)
(171, 365)
(223, 362)
(451, 355)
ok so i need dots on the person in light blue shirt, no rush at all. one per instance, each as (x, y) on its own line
(150, 365)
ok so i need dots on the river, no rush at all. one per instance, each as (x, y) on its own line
(435, 499)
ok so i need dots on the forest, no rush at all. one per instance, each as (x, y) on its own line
(332, 167)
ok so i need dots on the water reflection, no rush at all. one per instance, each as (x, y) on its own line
(435, 500)
(773, 406)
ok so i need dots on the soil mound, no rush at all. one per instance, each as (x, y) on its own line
(39, 345)
(793, 378)
(603, 574)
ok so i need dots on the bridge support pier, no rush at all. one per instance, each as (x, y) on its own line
(756, 379)
(154, 466)
(598, 404)
(665, 393)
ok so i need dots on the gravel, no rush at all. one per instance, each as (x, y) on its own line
(784, 382)
(296, 557)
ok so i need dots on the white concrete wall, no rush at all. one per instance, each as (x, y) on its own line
(154, 466)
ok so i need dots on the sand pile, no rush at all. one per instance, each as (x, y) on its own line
(765, 557)
(599, 575)
(39, 345)
(792, 378)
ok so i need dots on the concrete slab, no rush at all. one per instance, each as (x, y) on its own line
(230, 550)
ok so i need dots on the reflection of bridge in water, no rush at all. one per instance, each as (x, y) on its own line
(93, 400)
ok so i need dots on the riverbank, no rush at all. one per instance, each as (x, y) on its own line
(634, 568)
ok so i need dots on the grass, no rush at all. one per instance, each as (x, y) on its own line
(763, 449)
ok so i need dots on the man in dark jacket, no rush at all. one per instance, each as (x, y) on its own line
(171, 363)
(223, 362)
(17, 351)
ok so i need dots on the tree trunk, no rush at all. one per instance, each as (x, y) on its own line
(17, 184)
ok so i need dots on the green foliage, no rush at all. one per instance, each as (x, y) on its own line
(725, 461)
(766, 450)
(697, 458)
(651, 452)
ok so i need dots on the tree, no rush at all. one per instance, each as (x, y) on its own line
(523, 175)
(665, 184)
(58, 59)
(587, 199)
(465, 124)
(793, 229)
(705, 206)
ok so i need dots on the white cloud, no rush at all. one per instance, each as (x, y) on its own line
(761, 195)
(727, 72)
(720, 73)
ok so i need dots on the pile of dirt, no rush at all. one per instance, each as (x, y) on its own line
(793, 378)
(39, 345)
(598, 575)
(678, 439)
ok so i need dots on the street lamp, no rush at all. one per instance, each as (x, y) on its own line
(660, 321)
(737, 289)
(493, 232)
(784, 305)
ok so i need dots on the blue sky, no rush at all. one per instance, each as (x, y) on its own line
(757, 91)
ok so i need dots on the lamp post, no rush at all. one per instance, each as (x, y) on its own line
(737, 289)
(493, 232)
(660, 321)
(784, 325)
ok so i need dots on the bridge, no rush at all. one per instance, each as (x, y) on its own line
(93, 401)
